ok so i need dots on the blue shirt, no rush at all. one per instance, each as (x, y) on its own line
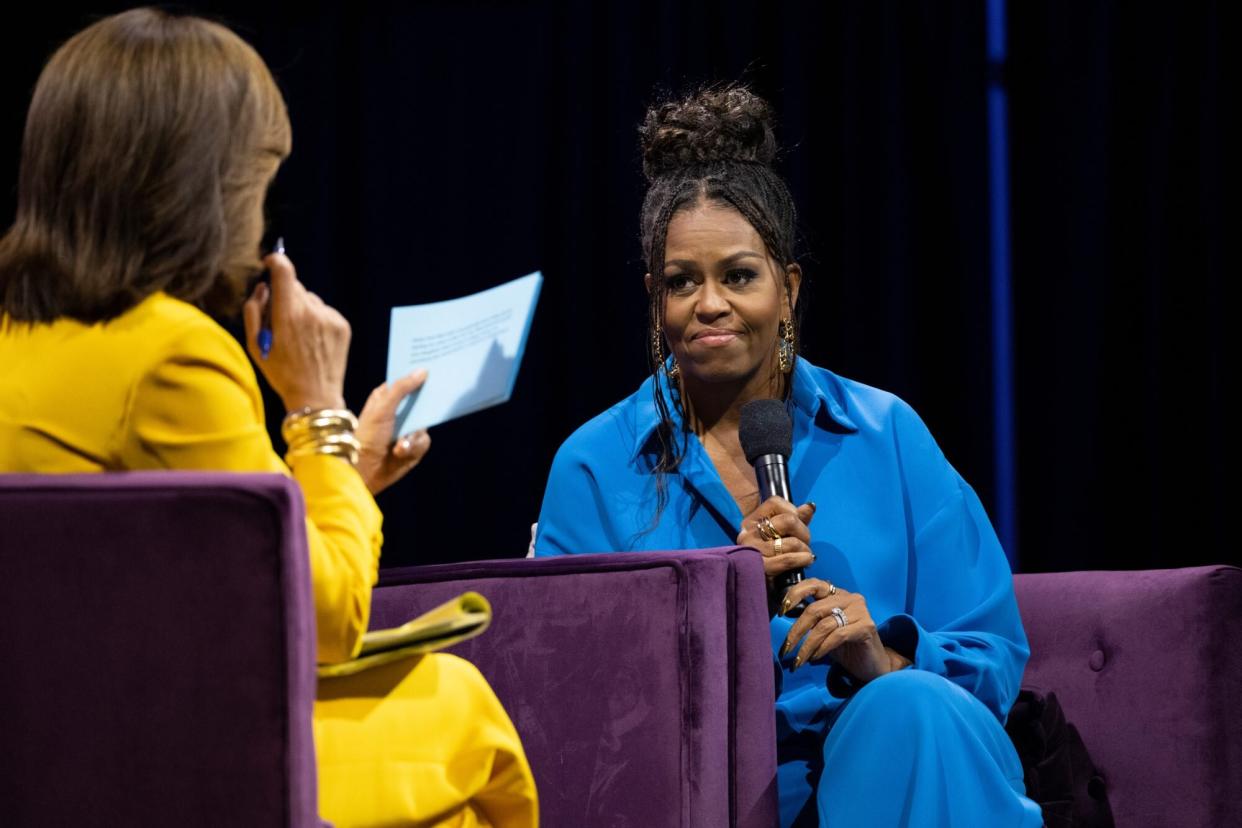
(894, 522)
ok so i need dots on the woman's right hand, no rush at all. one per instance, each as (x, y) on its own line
(791, 524)
(310, 340)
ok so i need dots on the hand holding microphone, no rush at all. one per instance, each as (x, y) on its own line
(786, 545)
(832, 622)
(776, 528)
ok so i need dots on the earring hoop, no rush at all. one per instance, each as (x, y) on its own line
(786, 349)
(657, 354)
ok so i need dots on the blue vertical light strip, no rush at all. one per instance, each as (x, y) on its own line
(1002, 308)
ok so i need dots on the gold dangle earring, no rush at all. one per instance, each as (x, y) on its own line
(657, 353)
(786, 349)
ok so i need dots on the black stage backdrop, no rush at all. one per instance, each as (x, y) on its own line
(441, 148)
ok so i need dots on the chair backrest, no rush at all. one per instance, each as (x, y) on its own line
(158, 651)
(641, 683)
(1148, 666)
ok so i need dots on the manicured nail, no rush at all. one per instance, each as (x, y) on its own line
(797, 663)
(406, 443)
(280, 246)
(784, 649)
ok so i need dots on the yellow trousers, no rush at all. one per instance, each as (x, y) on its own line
(423, 741)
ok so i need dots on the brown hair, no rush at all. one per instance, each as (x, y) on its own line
(149, 143)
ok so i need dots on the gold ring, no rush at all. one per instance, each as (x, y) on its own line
(776, 544)
(832, 588)
(766, 529)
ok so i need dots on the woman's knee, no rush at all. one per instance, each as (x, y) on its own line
(457, 671)
(454, 681)
(907, 699)
(465, 690)
(907, 687)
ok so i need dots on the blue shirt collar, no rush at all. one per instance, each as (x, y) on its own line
(811, 397)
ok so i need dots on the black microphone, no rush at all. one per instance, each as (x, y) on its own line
(766, 434)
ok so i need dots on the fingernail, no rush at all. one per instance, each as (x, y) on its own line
(280, 246)
(784, 650)
(406, 443)
(811, 503)
(784, 606)
(797, 663)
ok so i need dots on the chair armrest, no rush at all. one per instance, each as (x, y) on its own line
(159, 646)
(640, 683)
(1148, 667)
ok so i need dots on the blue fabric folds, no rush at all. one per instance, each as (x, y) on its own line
(895, 522)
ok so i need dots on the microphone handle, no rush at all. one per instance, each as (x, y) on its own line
(772, 474)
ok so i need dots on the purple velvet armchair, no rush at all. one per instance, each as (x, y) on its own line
(619, 669)
(158, 646)
(641, 684)
(1148, 666)
(158, 651)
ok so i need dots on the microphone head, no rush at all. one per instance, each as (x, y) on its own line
(765, 428)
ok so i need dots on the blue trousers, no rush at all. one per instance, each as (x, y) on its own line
(909, 749)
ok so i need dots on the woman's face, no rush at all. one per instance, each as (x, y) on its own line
(724, 296)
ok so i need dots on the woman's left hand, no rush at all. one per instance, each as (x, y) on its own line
(382, 461)
(856, 646)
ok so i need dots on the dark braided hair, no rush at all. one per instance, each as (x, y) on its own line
(716, 145)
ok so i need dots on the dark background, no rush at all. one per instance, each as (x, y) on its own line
(440, 148)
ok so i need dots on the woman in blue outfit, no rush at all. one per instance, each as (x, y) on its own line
(894, 682)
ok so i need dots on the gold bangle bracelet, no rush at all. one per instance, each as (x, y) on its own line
(304, 420)
(346, 440)
(322, 422)
(327, 431)
(346, 451)
(342, 438)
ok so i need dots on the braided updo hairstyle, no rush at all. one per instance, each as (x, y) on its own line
(714, 146)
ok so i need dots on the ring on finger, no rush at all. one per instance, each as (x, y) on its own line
(839, 616)
(776, 544)
(766, 529)
(832, 588)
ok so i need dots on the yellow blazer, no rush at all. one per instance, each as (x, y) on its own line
(423, 741)
(164, 387)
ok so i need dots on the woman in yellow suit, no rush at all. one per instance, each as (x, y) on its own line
(149, 145)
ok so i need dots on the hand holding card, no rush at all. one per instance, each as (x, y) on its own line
(470, 347)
